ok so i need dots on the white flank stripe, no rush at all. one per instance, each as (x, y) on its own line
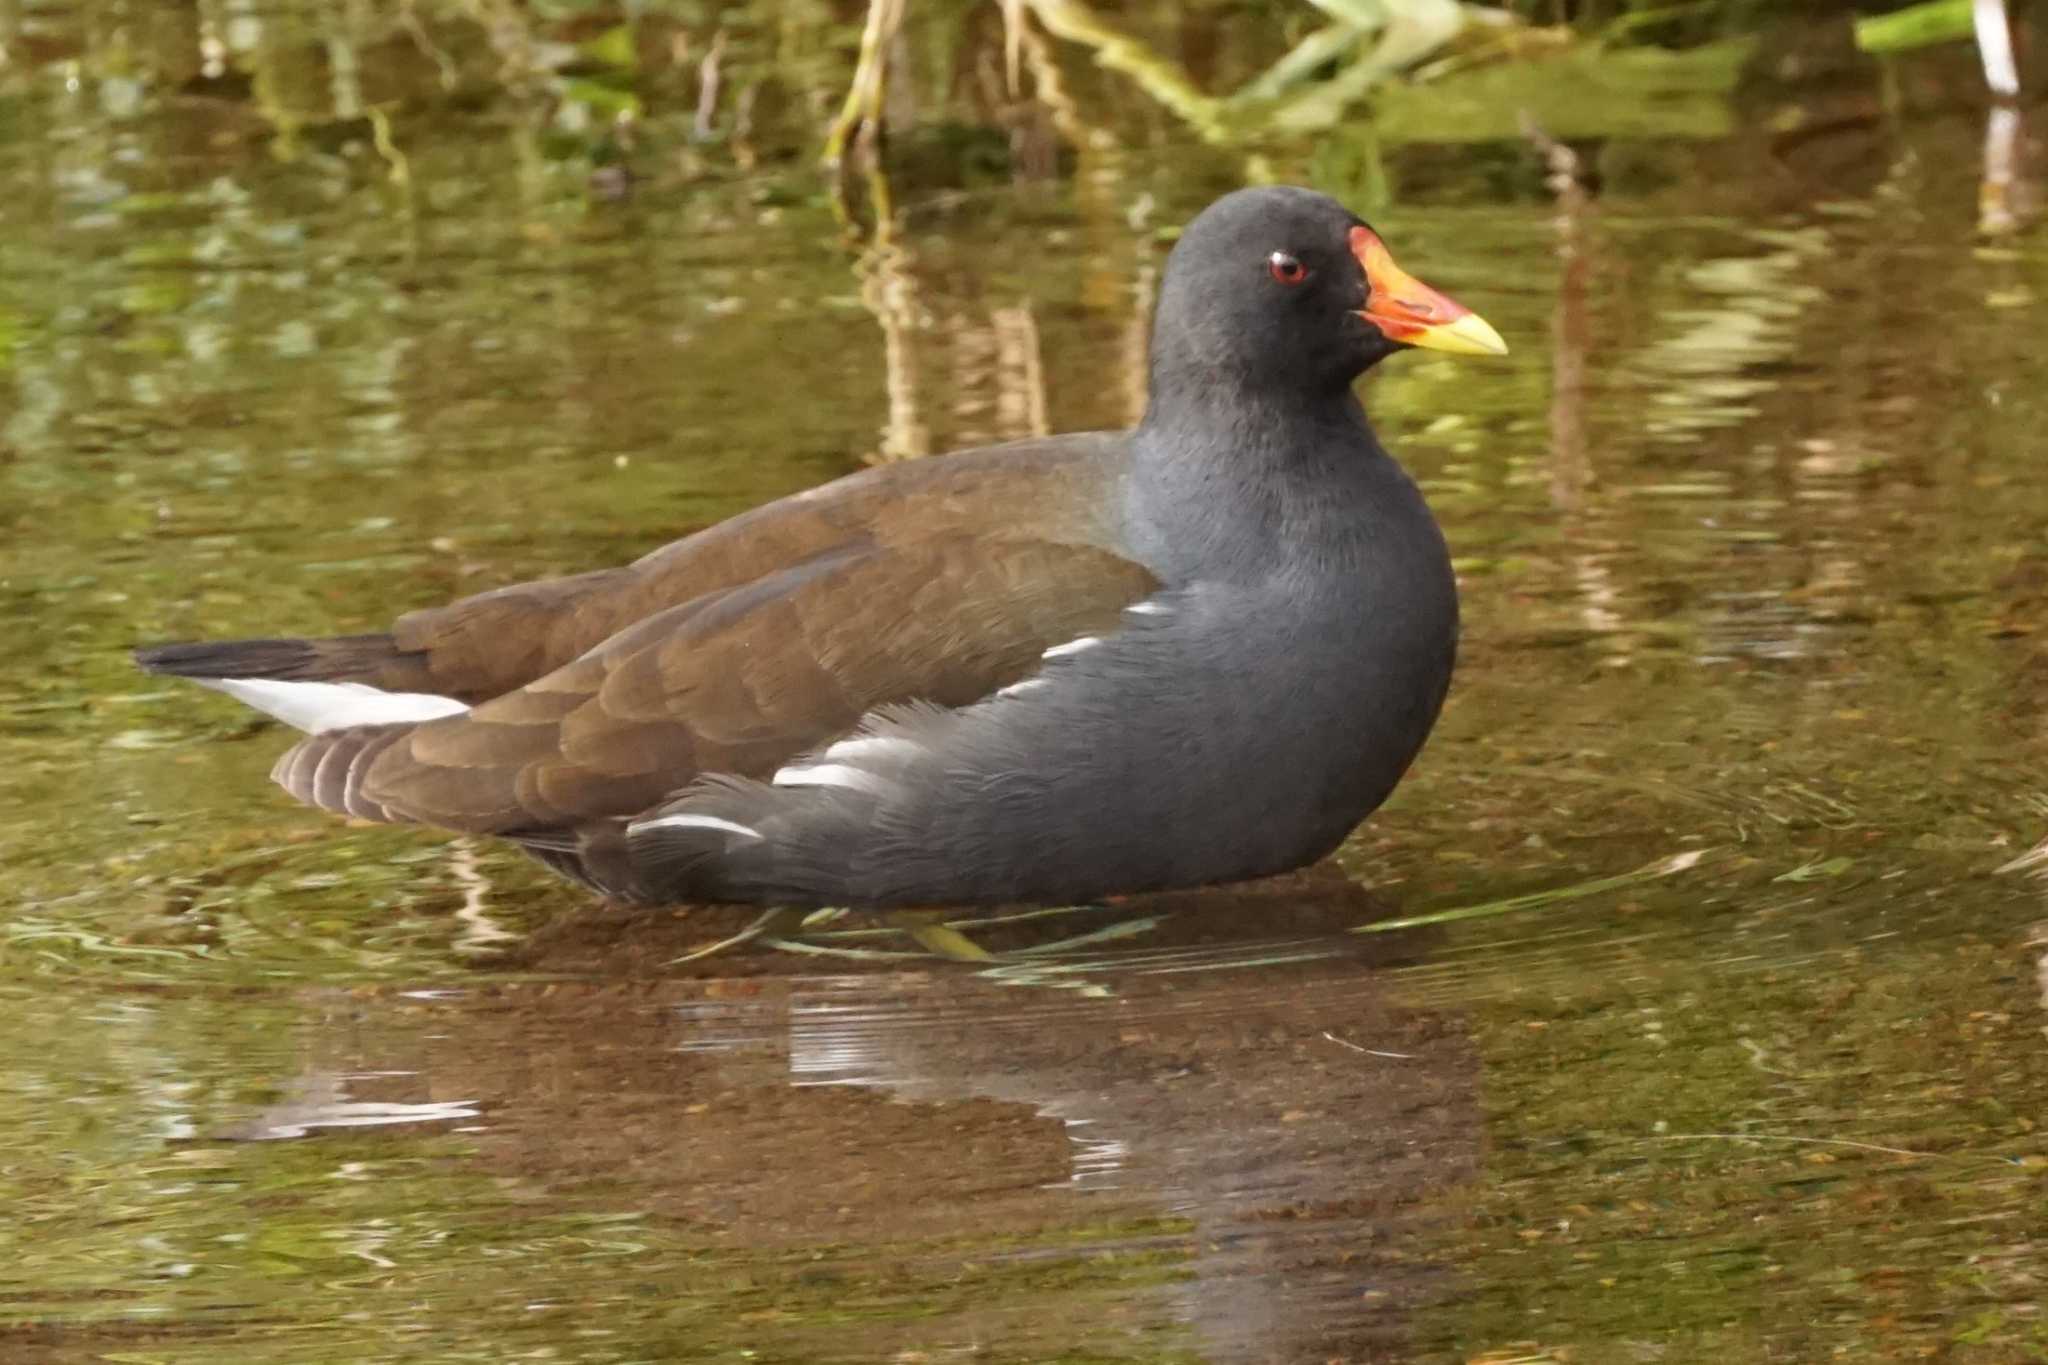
(831, 775)
(1150, 609)
(317, 706)
(694, 822)
(1072, 647)
(1018, 689)
(871, 746)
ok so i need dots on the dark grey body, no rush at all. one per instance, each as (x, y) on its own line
(1300, 653)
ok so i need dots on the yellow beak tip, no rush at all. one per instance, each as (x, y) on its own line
(1469, 335)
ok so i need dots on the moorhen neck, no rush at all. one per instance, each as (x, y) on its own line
(1194, 652)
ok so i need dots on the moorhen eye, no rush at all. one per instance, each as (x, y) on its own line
(1286, 268)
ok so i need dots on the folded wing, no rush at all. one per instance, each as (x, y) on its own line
(734, 681)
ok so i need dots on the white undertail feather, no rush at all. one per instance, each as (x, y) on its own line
(317, 706)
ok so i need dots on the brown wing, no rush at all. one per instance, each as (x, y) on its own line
(489, 644)
(735, 681)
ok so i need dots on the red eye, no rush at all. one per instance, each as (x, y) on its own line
(1286, 268)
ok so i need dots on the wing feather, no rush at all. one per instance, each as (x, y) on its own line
(740, 680)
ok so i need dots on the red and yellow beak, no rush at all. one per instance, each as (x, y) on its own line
(1412, 313)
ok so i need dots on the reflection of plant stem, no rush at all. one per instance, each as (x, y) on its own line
(973, 369)
(2039, 939)
(409, 19)
(860, 119)
(707, 88)
(509, 31)
(388, 148)
(268, 85)
(890, 294)
(861, 115)
(881, 200)
(480, 934)
(1002, 359)
(529, 163)
(1999, 200)
(1121, 271)
(1137, 343)
(1571, 472)
(1570, 333)
(1047, 86)
(1013, 44)
(401, 174)
(741, 142)
(1020, 376)
(1997, 214)
(344, 69)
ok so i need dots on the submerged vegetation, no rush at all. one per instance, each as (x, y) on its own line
(613, 96)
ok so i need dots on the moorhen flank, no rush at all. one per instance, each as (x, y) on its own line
(1198, 651)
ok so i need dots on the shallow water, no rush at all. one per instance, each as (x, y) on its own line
(1687, 1000)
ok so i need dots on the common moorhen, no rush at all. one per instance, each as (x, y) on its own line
(1198, 651)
